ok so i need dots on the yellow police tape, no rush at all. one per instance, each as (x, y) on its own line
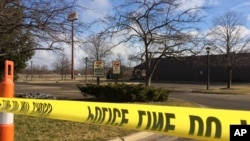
(196, 123)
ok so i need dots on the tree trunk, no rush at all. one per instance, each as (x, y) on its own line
(148, 77)
(229, 77)
(147, 80)
(61, 76)
(98, 80)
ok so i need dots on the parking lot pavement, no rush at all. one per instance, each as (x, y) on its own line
(60, 91)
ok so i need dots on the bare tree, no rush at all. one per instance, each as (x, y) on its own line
(98, 48)
(29, 25)
(227, 37)
(44, 69)
(45, 20)
(62, 65)
(160, 27)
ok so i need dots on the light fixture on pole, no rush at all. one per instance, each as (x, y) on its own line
(86, 67)
(208, 61)
(31, 69)
(72, 17)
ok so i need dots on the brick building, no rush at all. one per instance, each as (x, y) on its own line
(194, 68)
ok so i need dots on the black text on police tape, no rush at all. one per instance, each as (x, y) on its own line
(12, 105)
(23, 107)
(196, 121)
(156, 120)
(41, 108)
(113, 116)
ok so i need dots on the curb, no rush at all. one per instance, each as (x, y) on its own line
(145, 136)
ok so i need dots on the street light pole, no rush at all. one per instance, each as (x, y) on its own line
(208, 61)
(31, 68)
(86, 67)
(72, 17)
(72, 52)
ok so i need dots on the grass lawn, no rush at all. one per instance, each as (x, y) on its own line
(234, 90)
(29, 128)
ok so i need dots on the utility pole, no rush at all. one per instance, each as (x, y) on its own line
(72, 17)
(86, 67)
(208, 73)
(31, 70)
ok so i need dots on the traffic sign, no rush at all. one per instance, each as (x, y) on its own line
(116, 65)
(99, 70)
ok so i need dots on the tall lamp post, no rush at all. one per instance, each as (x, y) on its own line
(31, 68)
(72, 17)
(208, 74)
(86, 67)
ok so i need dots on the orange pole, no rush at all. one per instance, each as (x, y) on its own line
(7, 90)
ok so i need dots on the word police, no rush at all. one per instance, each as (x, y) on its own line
(118, 117)
(113, 116)
(156, 121)
(24, 107)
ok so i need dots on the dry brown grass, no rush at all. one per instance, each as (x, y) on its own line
(233, 90)
(41, 129)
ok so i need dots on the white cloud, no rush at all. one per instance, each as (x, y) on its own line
(95, 9)
(188, 4)
(44, 57)
(122, 50)
(245, 31)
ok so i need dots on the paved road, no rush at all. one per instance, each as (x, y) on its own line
(225, 101)
(59, 90)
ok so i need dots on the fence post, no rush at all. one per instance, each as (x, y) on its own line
(7, 90)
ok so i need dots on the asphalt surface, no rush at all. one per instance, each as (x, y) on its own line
(65, 91)
(224, 101)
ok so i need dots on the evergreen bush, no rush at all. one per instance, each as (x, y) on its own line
(125, 92)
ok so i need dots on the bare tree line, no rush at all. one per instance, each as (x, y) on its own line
(153, 29)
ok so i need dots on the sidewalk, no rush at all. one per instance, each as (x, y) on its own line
(146, 136)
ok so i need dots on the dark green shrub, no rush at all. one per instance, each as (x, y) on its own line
(125, 93)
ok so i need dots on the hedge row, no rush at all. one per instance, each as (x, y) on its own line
(125, 93)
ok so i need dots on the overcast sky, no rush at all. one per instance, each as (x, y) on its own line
(102, 7)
